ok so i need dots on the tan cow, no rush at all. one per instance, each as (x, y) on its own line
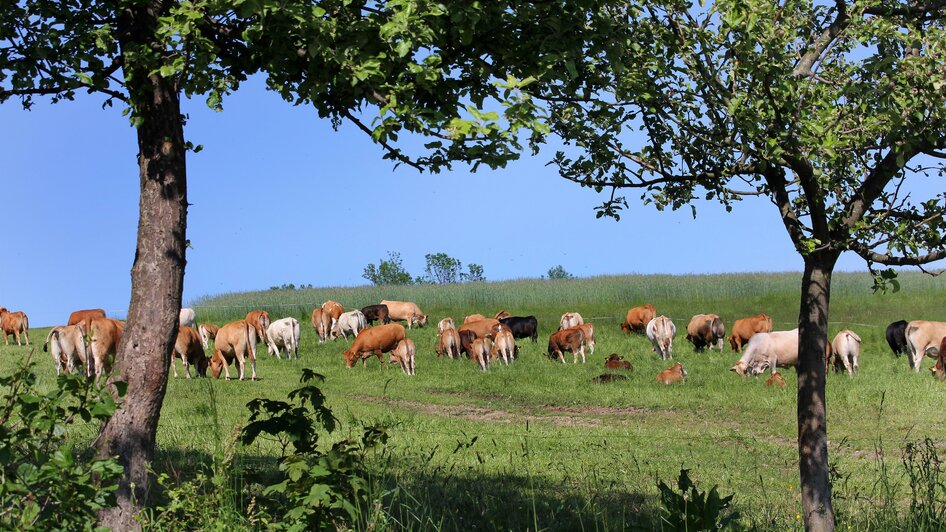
(14, 324)
(846, 349)
(235, 340)
(446, 323)
(588, 335)
(82, 318)
(322, 323)
(66, 344)
(105, 338)
(407, 311)
(939, 369)
(334, 311)
(259, 320)
(190, 350)
(570, 319)
(207, 332)
(637, 319)
(479, 352)
(404, 354)
(473, 317)
(483, 328)
(504, 346)
(661, 331)
(571, 339)
(374, 341)
(673, 374)
(923, 339)
(776, 349)
(502, 314)
(449, 344)
(742, 330)
(706, 330)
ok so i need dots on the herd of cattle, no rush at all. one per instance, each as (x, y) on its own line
(90, 339)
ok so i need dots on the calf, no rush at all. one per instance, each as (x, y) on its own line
(105, 338)
(522, 327)
(615, 361)
(259, 320)
(479, 352)
(322, 323)
(283, 333)
(637, 319)
(570, 319)
(775, 380)
(673, 374)
(66, 344)
(846, 349)
(896, 337)
(706, 330)
(14, 324)
(82, 318)
(939, 369)
(403, 354)
(742, 330)
(567, 340)
(186, 317)
(189, 349)
(407, 311)
(608, 377)
(374, 341)
(375, 313)
(777, 349)
(235, 340)
(923, 339)
(661, 331)
(446, 323)
(450, 344)
(504, 346)
(207, 332)
(352, 322)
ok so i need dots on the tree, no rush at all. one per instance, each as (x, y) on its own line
(559, 272)
(832, 111)
(424, 68)
(389, 271)
(442, 268)
(474, 273)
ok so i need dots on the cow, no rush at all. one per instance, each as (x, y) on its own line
(775, 380)
(661, 331)
(504, 346)
(742, 330)
(207, 332)
(608, 377)
(896, 337)
(570, 319)
(466, 341)
(446, 323)
(404, 354)
(567, 340)
(105, 338)
(846, 349)
(939, 369)
(673, 374)
(407, 311)
(352, 322)
(588, 335)
(616, 361)
(66, 344)
(522, 327)
(473, 317)
(377, 313)
(776, 349)
(637, 319)
(14, 324)
(82, 318)
(706, 330)
(283, 333)
(334, 311)
(481, 328)
(322, 323)
(189, 349)
(479, 352)
(374, 341)
(259, 320)
(235, 340)
(187, 318)
(923, 339)
(502, 314)
(449, 344)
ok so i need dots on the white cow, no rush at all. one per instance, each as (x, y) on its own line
(352, 321)
(404, 355)
(283, 333)
(846, 347)
(769, 350)
(188, 318)
(923, 338)
(67, 346)
(661, 331)
(570, 319)
(446, 323)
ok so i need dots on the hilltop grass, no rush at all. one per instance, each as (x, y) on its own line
(536, 445)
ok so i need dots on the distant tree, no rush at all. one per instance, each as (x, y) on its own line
(559, 272)
(474, 273)
(389, 271)
(442, 268)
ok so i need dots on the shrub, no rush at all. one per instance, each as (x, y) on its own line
(691, 509)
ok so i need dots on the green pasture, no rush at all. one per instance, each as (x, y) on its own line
(536, 445)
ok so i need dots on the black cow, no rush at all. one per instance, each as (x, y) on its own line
(376, 312)
(896, 337)
(522, 327)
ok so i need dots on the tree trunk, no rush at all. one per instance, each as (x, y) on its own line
(812, 429)
(157, 278)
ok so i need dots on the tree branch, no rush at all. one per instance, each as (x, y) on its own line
(392, 151)
(804, 67)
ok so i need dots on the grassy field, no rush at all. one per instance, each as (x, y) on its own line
(536, 445)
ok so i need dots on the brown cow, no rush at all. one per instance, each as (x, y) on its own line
(567, 340)
(404, 354)
(502, 314)
(616, 361)
(14, 324)
(66, 344)
(407, 311)
(259, 320)
(481, 328)
(466, 341)
(82, 318)
(742, 330)
(106, 337)
(775, 380)
(446, 323)
(374, 341)
(235, 340)
(479, 352)
(207, 332)
(608, 377)
(334, 310)
(190, 350)
(706, 330)
(923, 339)
(449, 344)
(673, 374)
(637, 319)
(322, 323)
(939, 369)
(473, 317)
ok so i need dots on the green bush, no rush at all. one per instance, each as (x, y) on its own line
(690, 509)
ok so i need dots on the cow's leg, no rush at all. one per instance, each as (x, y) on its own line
(173, 366)
(26, 333)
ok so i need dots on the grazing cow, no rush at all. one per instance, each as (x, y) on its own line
(775, 380)
(896, 337)
(939, 369)
(66, 344)
(923, 339)
(374, 341)
(479, 352)
(106, 337)
(14, 324)
(502, 314)
(776, 349)
(615, 361)
(481, 328)
(522, 327)
(189, 349)
(706, 330)
(375, 313)
(673, 374)
(473, 317)
(207, 332)
(608, 377)
(637, 319)
(661, 331)
(567, 340)
(322, 323)
(283, 333)
(504, 346)
(404, 354)
(466, 341)
(450, 343)
(352, 322)
(259, 320)
(570, 319)
(446, 323)
(846, 349)
(235, 340)
(407, 311)
(742, 330)
(82, 318)
(187, 318)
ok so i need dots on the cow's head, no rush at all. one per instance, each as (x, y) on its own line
(201, 365)
(350, 357)
(216, 366)
(679, 368)
(422, 320)
(739, 368)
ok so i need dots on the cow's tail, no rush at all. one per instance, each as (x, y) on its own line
(49, 338)
(26, 323)
(250, 334)
(854, 336)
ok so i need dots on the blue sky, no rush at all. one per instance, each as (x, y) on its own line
(279, 197)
